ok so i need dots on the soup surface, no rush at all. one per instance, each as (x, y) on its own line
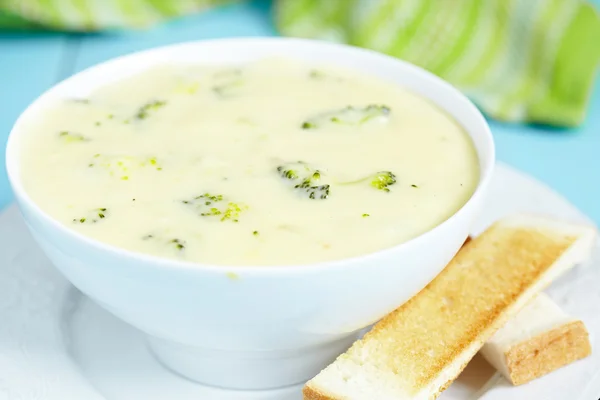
(271, 163)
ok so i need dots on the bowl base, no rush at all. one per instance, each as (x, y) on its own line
(249, 370)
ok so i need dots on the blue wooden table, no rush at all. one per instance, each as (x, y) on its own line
(567, 160)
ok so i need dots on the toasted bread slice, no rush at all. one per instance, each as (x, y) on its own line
(419, 349)
(538, 340)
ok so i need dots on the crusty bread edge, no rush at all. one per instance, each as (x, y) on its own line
(572, 333)
(311, 393)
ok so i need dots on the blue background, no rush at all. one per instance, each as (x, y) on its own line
(566, 160)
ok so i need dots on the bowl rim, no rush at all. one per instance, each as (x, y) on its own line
(152, 261)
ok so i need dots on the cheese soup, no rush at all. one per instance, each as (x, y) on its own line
(271, 163)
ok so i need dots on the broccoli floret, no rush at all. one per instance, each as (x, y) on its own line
(227, 89)
(187, 88)
(380, 180)
(150, 107)
(208, 205)
(92, 216)
(228, 82)
(350, 116)
(178, 244)
(122, 166)
(322, 75)
(308, 179)
(314, 191)
(294, 170)
(71, 137)
(232, 212)
(173, 243)
(316, 74)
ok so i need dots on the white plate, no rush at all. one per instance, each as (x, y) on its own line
(55, 344)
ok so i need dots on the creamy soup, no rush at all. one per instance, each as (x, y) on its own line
(270, 163)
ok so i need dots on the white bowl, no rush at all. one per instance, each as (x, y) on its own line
(271, 326)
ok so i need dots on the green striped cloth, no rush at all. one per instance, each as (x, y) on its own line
(93, 15)
(519, 60)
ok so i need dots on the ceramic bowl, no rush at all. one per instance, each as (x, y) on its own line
(253, 327)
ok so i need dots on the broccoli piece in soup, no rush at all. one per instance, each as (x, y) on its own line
(209, 205)
(149, 108)
(72, 137)
(349, 116)
(92, 216)
(306, 179)
(379, 180)
(382, 180)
